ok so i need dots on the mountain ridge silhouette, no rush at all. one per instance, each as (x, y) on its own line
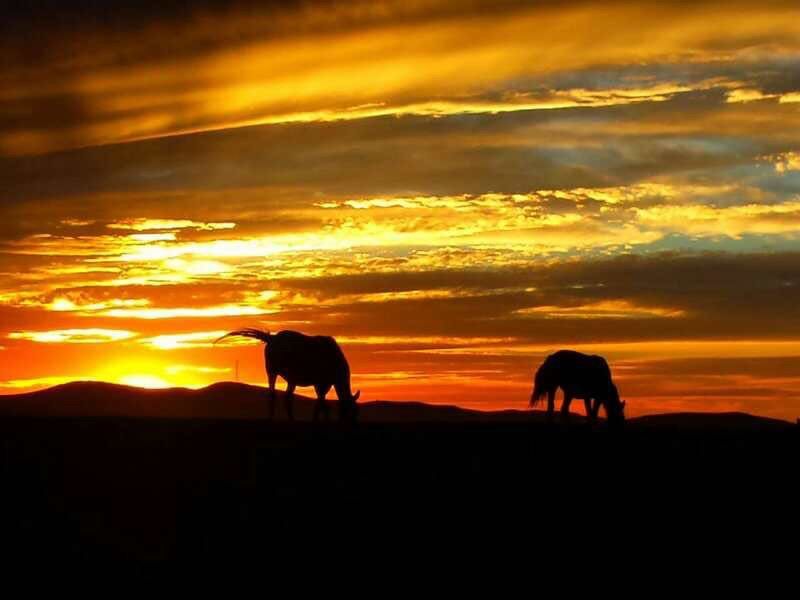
(232, 400)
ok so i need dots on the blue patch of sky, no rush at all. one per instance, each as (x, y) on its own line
(721, 243)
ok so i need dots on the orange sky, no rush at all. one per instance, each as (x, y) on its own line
(453, 190)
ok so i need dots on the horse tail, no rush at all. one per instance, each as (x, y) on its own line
(540, 386)
(257, 334)
(537, 394)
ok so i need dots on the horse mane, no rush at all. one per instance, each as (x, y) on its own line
(257, 334)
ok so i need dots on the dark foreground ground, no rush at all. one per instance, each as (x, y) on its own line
(161, 489)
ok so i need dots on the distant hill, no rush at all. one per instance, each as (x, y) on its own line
(91, 398)
(228, 400)
(699, 420)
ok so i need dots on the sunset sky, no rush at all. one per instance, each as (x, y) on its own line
(451, 189)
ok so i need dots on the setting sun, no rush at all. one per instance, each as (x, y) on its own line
(144, 381)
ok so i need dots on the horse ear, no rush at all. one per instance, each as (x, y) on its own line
(356, 395)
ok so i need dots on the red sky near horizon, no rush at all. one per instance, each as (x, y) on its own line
(452, 189)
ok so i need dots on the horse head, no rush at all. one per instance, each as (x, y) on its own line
(615, 409)
(348, 409)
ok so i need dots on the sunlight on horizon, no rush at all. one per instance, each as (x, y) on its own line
(145, 381)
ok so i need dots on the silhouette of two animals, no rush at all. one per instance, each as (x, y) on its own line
(580, 376)
(318, 361)
(304, 360)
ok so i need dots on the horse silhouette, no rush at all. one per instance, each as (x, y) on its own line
(581, 376)
(304, 360)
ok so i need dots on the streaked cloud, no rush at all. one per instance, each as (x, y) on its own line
(748, 95)
(179, 369)
(277, 79)
(424, 340)
(753, 95)
(77, 222)
(660, 350)
(74, 336)
(65, 304)
(606, 309)
(195, 339)
(144, 224)
(15, 385)
(732, 221)
(227, 310)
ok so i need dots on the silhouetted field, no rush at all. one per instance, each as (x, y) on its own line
(153, 489)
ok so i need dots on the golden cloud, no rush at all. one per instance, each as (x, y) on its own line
(372, 340)
(174, 341)
(647, 350)
(605, 309)
(225, 310)
(39, 382)
(179, 369)
(748, 95)
(786, 161)
(65, 304)
(733, 221)
(752, 95)
(144, 224)
(375, 70)
(74, 336)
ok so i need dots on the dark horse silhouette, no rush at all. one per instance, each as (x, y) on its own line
(579, 376)
(304, 360)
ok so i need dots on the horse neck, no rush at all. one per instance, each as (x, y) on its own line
(343, 390)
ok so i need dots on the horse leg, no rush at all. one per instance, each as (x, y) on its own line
(271, 378)
(321, 405)
(590, 416)
(565, 407)
(325, 408)
(289, 397)
(596, 410)
(551, 403)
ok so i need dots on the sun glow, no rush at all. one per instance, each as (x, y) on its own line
(144, 381)
(198, 339)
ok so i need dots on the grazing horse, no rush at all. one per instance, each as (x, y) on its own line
(580, 376)
(304, 360)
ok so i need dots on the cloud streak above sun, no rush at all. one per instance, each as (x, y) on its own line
(73, 336)
(452, 189)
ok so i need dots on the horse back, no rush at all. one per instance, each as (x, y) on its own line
(307, 360)
(568, 368)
